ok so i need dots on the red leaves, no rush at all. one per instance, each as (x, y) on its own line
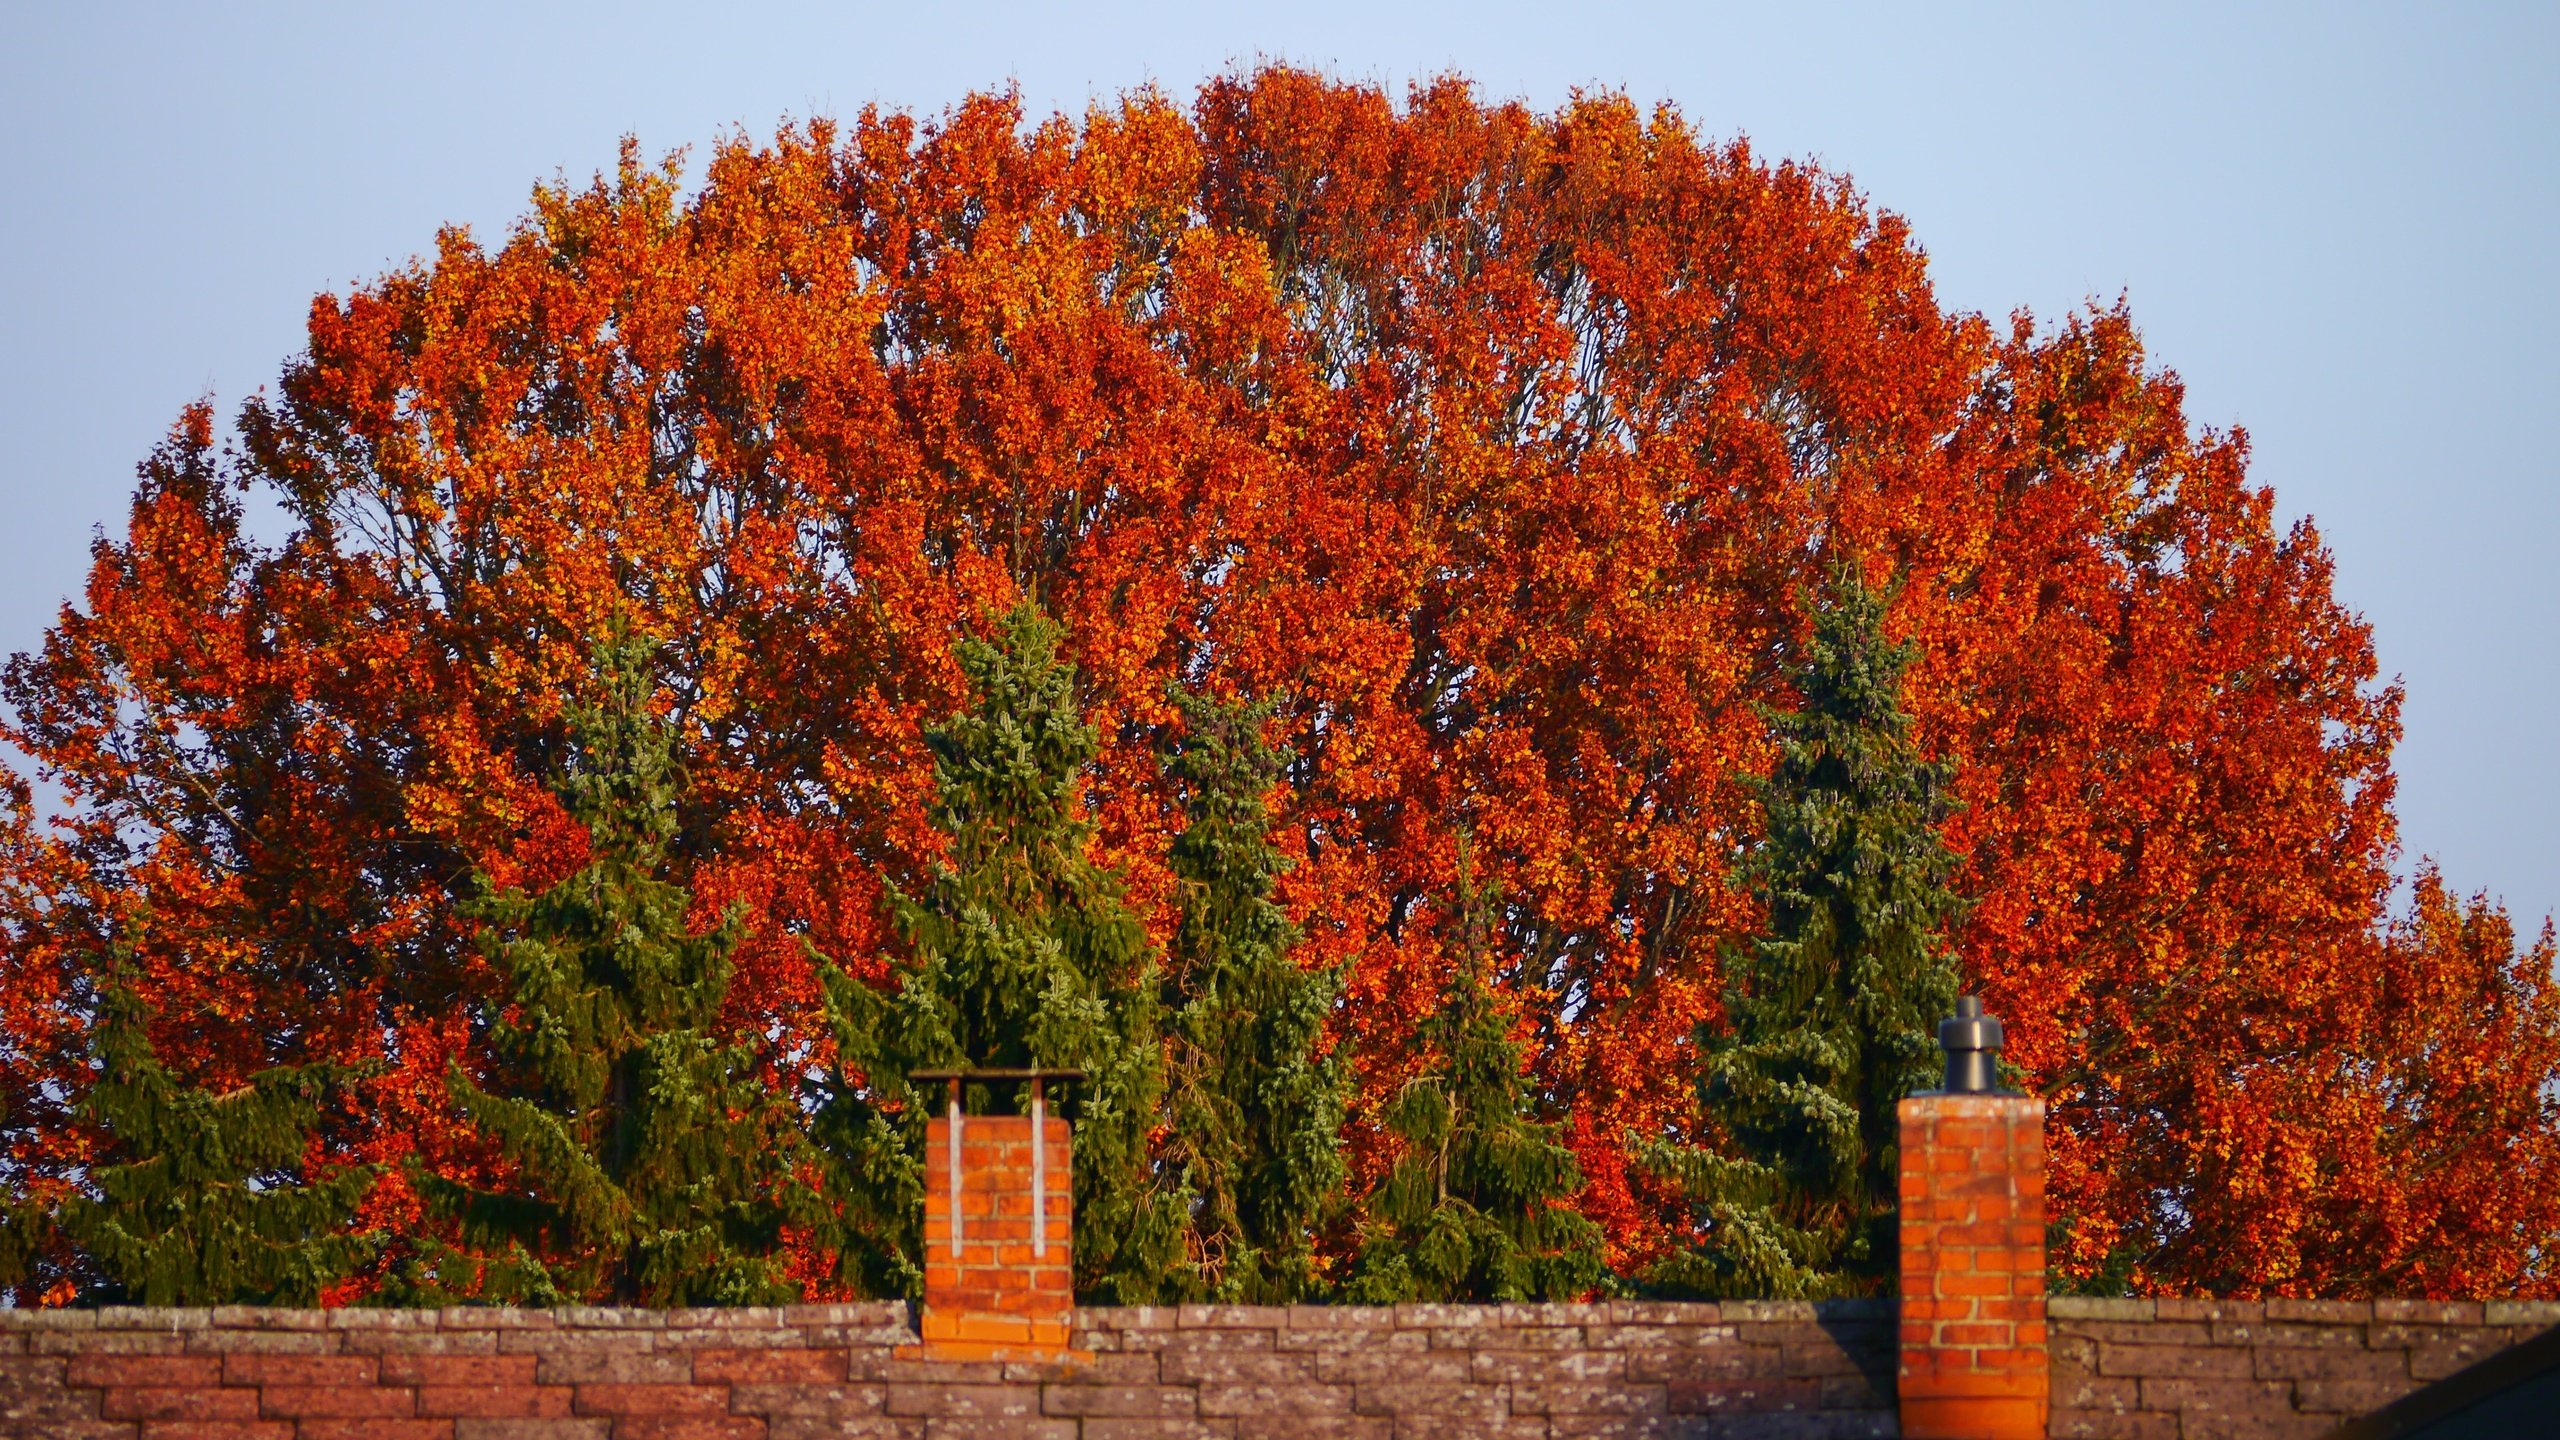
(1498, 445)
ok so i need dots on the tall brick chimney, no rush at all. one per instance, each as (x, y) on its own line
(1972, 1202)
(999, 1265)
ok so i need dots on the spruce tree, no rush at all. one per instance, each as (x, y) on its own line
(645, 1158)
(25, 1223)
(1831, 1014)
(200, 1197)
(1025, 953)
(1475, 1208)
(1257, 1109)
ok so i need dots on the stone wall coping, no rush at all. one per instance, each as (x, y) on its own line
(876, 1313)
(896, 1312)
(2313, 1312)
(458, 1317)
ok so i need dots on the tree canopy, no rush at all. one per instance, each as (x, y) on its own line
(1498, 450)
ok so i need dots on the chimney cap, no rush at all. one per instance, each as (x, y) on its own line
(1971, 1040)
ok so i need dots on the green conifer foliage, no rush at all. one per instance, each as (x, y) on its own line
(652, 1162)
(1477, 1205)
(204, 1201)
(1257, 1108)
(1832, 1014)
(25, 1223)
(1025, 954)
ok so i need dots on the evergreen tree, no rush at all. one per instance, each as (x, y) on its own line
(1475, 1208)
(203, 1199)
(24, 1225)
(650, 1160)
(1257, 1110)
(1832, 1014)
(1025, 954)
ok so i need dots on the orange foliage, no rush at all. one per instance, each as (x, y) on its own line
(1502, 446)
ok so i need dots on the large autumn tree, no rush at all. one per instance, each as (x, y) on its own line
(1501, 443)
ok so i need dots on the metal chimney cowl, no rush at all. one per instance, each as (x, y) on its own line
(1972, 1042)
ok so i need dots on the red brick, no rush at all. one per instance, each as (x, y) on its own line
(30, 1398)
(373, 1428)
(258, 1369)
(2088, 1392)
(1964, 1284)
(688, 1427)
(1951, 1380)
(1032, 1429)
(337, 1401)
(2174, 1361)
(494, 1401)
(458, 1369)
(2109, 1425)
(2436, 1359)
(1972, 1331)
(154, 1403)
(1151, 1427)
(1973, 1418)
(630, 1400)
(2218, 1397)
(106, 1370)
(1592, 1397)
(511, 1429)
(2328, 1363)
(806, 1367)
(1417, 1398)
(2344, 1397)
(1742, 1397)
(217, 1430)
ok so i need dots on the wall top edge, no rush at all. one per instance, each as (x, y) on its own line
(895, 1314)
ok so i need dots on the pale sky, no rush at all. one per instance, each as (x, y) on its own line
(2332, 221)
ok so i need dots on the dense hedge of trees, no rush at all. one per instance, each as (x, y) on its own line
(1480, 669)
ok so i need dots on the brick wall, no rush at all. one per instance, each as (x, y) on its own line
(1786, 1372)
(2184, 1369)
(2171, 1369)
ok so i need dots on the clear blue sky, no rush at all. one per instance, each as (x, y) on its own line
(2334, 222)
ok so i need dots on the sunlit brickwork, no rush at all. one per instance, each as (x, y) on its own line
(1000, 1289)
(1973, 1284)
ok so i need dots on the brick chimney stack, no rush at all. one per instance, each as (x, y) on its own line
(999, 1264)
(1973, 1284)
